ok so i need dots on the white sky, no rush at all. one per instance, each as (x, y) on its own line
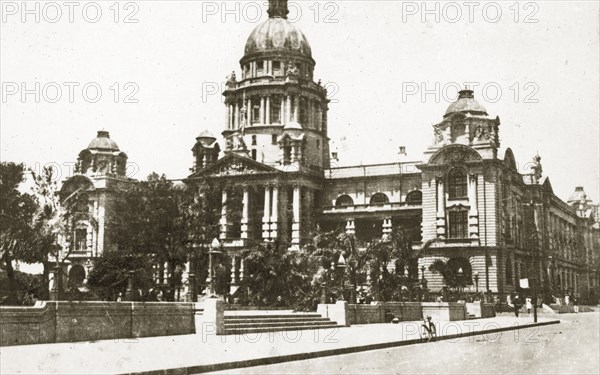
(373, 51)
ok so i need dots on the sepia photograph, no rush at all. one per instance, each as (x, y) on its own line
(299, 187)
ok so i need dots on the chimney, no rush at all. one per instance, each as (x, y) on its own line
(402, 153)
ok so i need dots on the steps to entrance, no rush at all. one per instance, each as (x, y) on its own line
(272, 321)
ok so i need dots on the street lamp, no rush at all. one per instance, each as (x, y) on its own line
(214, 249)
(422, 272)
(476, 277)
(341, 265)
(460, 278)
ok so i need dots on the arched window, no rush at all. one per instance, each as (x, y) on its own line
(344, 201)
(414, 197)
(379, 199)
(457, 184)
(509, 272)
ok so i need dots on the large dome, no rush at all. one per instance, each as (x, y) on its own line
(466, 103)
(103, 142)
(277, 34)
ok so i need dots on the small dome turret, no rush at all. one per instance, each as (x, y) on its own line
(103, 142)
(466, 103)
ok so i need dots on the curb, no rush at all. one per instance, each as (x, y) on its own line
(326, 353)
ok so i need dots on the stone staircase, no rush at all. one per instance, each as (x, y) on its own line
(272, 321)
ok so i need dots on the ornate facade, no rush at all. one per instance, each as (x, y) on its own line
(465, 193)
(100, 173)
(499, 223)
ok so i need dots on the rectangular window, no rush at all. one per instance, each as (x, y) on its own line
(277, 71)
(81, 239)
(303, 112)
(254, 154)
(253, 140)
(458, 224)
(260, 68)
(255, 113)
(276, 109)
(274, 139)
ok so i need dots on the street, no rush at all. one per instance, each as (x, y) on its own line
(572, 347)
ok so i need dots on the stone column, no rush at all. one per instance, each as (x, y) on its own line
(249, 112)
(223, 234)
(441, 209)
(100, 237)
(473, 212)
(262, 110)
(236, 116)
(230, 123)
(387, 226)
(296, 217)
(350, 226)
(245, 202)
(268, 110)
(288, 109)
(296, 106)
(233, 280)
(282, 111)
(267, 214)
(274, 212)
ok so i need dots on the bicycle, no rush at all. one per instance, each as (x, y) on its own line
(428, 330)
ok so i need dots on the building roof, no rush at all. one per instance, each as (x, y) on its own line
(372, 170)
(277, 34)
(103, 142)
(466, 103)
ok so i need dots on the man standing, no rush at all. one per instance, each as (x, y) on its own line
(517, 304)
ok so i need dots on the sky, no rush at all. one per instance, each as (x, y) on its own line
(151, 73)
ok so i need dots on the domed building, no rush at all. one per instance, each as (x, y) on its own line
(465, 199)
(99, 174)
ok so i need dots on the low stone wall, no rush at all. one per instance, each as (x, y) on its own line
(384, 312)
(446, 311)
(481, 309)
(50, 322)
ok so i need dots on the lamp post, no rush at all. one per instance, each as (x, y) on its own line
(422, 272)
(341, 265)
(476, 277)
(214, 249)
(460, 278)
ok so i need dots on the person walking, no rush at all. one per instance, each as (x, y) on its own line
(528, 304)
(517, 304)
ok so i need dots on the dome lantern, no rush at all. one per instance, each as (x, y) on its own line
(278, 8)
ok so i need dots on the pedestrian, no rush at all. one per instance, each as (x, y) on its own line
(120, 297)
(517, 304)
(528, 304)
(576, 305)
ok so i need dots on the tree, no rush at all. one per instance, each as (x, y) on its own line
(58, 214)
(275, 276)
(455, 272)
(17, 211)
(172, 224)
(110, 275)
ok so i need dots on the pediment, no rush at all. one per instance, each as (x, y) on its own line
(235, 165)
(453, 154)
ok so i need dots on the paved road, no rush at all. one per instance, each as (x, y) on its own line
(572, 347)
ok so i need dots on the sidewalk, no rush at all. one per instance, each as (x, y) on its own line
(206, 352)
